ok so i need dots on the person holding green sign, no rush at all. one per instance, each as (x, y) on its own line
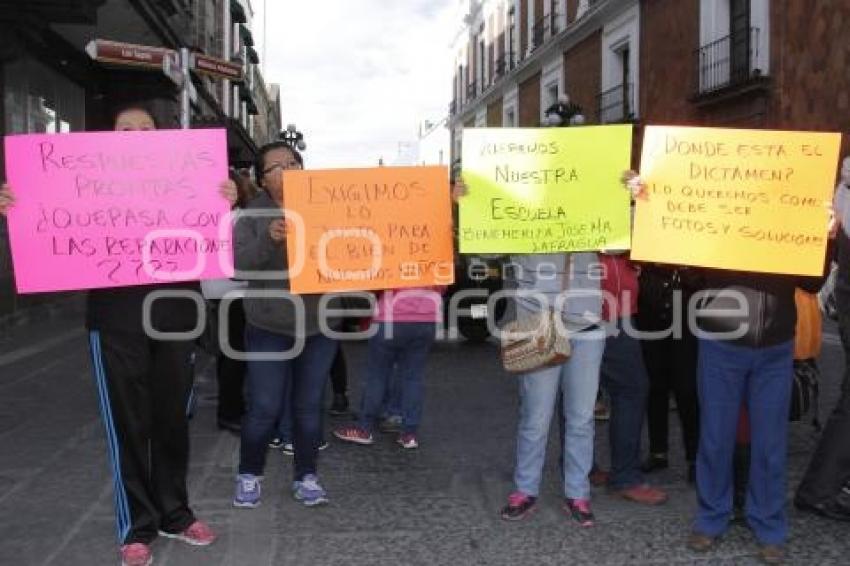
(541, 281)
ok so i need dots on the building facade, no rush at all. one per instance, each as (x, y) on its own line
(777, 64)
(51, 85)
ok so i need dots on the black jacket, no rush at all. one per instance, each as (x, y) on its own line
(660, 287)
(765, 304)
(120, 309)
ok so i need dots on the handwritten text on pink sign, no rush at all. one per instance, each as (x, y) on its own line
(113, 209)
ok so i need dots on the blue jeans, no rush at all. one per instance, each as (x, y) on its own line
(266, 385)
(538, 390)
(286, 421)
(730, 375)
(405, 353)
(624, 376)
(391, 406)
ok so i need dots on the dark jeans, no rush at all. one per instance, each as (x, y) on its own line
(672, 365)
(760, 378)
(405, 352)
(266, 383)
(829, 468)
(623, 375)
(230, 373)
(339, 374)
(339, 385)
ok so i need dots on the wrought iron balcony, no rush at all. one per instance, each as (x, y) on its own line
(471, 90)
(728, 62)
(504, 64)
(615, 104)
(538, 32)
(553, 22)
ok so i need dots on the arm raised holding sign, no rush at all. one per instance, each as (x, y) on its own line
(258, 239)
(278, 321)
(7, 199)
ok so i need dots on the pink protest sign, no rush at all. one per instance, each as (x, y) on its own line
(115, 209)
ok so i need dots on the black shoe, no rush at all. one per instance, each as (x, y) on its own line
(654, 463)
(339, 406)
(231, 426)
(830, 510)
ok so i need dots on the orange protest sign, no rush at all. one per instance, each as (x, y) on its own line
(365, 229)
(748, 200)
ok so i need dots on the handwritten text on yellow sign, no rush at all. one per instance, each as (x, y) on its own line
(542, 190)
(751, 200)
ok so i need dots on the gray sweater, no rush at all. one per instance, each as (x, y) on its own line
(544, 274)
(256, 258)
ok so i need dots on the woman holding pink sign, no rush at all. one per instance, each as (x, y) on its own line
(144, 388)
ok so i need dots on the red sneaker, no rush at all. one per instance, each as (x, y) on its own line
(197, 534)
(408, 440)
(355, 434)
(579, 510)
(136, 554)
(520, 506)
(644, 494)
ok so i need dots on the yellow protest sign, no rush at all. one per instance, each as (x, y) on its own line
(750, 200)
(542, 190)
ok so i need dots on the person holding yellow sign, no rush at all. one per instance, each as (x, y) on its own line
(547, 276)
(745, 325)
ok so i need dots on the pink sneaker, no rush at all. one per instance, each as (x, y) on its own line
(197, 534)
(579, 510)
(136, 554)
(408, 441)
(355, 434)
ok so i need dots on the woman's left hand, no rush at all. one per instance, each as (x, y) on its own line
(832, 223)
(634, 184)
(227, 189)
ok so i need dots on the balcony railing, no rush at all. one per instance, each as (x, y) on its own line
(504, 64)
(471, 90)
(615, 104)
(553, 22)
(538, 32)
(452, 107)
(728, 62)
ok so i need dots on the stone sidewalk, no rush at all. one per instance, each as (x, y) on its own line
(436, 505)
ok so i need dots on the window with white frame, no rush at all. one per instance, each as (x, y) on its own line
(617, 101)
(551, 95)
(734, 43)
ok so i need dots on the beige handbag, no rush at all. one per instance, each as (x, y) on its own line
(534, 342)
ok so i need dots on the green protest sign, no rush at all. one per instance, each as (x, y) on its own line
(545, 190)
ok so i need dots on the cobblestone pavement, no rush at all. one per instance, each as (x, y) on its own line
(436, 505)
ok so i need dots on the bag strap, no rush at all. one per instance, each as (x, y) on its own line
(568, 264)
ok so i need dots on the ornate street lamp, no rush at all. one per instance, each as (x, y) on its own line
(564, 113)
(293, 138)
